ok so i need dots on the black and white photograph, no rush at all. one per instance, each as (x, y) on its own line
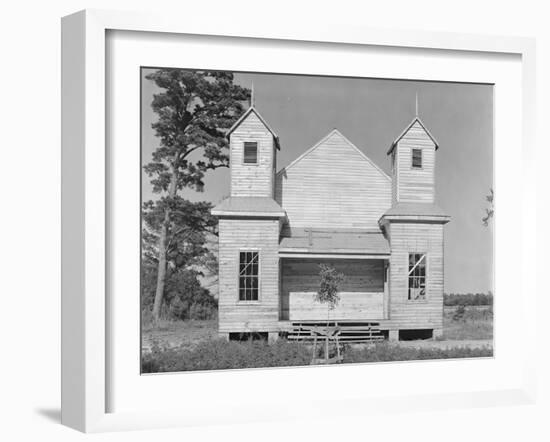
(294, 220)
(278, 221)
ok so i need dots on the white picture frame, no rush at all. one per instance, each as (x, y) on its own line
(85, 215)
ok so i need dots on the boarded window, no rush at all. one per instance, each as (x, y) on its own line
(250, 152)
(417, 276)
(417, 158)
(248, 276)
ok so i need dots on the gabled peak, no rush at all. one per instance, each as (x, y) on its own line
(416, 122)
(253, 110)
(341, 143)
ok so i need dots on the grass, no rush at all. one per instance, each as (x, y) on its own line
(476, 323)
(194, 345)
(219, 354)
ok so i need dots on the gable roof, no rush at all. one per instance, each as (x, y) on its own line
(250, 110)
(402, 134)
(322, 141)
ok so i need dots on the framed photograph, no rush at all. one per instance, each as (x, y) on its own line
(250, 213)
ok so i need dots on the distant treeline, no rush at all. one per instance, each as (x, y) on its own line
(451, 299)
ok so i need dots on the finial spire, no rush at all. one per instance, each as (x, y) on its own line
(416, 106)
(252, 95)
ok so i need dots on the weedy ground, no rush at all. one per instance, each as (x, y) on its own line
(193, 345)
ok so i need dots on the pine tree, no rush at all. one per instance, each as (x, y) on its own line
(195, 109)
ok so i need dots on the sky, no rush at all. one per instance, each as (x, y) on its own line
(371, 113)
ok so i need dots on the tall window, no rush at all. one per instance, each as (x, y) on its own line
(417, 158)
(417, 276)
(248, 276)
(250, 152)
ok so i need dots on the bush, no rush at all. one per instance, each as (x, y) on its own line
(467, 299)
(383, 352)
(218, 354)
(459, 313)
(184, 297)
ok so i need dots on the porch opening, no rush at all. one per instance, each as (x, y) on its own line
(362, 294)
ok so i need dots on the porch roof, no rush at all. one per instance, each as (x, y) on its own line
(334, 241)
(249, 206)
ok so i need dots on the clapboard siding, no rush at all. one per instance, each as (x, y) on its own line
(254, 234)
(333, 185)
(302, 275)
(252, 179)
(411, 185)
(351, 306)
(408, 238)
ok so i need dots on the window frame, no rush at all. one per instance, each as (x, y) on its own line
(248, 301)
(413, 150)
(255, 163)
(417, 277)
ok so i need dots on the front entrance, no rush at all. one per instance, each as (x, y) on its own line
(362, 295)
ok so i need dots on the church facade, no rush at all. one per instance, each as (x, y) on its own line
(331, 205)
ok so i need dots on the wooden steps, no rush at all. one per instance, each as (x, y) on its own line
(348, 332)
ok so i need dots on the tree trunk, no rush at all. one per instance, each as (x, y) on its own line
(161, 274)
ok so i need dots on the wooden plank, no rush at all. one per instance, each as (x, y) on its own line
(352, 306)
(252, 179)
(334, 185)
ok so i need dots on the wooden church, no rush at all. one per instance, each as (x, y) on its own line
(331, 205)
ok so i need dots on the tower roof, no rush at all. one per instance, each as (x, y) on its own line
(402, 134)
(250, 110)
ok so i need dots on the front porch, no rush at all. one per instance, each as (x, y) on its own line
(364, 292)
(363, 258)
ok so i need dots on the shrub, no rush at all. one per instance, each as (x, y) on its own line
(219, 354)
(467, 299)
(385, 351)
(459, 313)
(330, 280)
(184, 296)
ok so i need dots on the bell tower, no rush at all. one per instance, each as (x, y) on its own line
(414, 228)
(413, 165)
(253, 156)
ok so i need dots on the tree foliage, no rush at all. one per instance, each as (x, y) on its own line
(330, 280)
(489, 211)
(195, 109)
(188, 258)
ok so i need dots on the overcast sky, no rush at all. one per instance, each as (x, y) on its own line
(371, 113)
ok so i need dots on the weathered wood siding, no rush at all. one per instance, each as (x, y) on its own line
(248, 234)
(412, 185)
(333, 185)
(359, 306)
(408, 238)
(252, 179)
(302, 275)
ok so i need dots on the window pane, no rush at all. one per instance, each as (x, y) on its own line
(248, 275)
(417, 158)
(417, 276)
(250, 152)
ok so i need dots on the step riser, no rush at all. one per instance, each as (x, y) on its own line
(350, 332)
